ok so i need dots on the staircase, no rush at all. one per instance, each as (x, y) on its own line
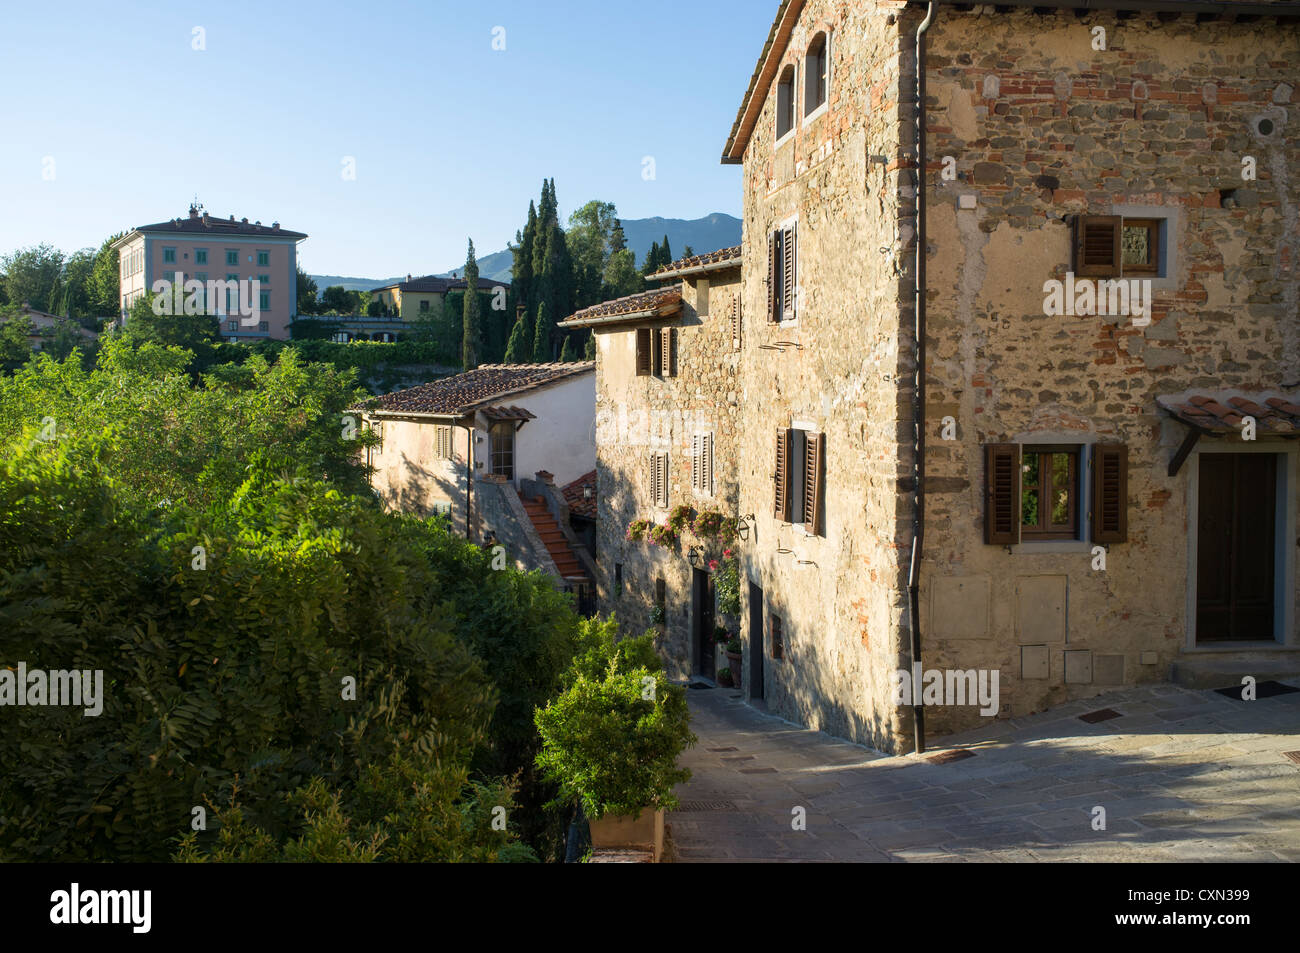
(553, 539)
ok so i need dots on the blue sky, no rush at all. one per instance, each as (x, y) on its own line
(450, 137)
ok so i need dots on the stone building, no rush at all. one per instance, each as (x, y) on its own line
(666, 399)
(1077, 456)
(486, 448)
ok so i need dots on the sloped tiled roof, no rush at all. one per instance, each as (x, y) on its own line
(471, 390)
(508, 413)
(438, 285)
(579, 503)
(1274, 412)
(217, 227)
(661, 301)
(686, 266)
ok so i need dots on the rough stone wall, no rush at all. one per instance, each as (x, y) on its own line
(841, 596)
(638, 415)
(1042, 126)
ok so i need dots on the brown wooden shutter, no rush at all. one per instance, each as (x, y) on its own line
(814, 452)
(1110, 493)
(773, 273)
(643, 349)
(788, 277)
(1097, 245)
(667, 355)
(696, 461)
(653, 461)
(663, 479)
(781, 478)
(1002, 493)
(735, 321)
(708, 463)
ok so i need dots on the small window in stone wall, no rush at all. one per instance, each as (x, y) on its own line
(785, 102)
(661, 592)
(816, 74)
(1111, 246)
(442, 443)
(778, 638)
(618, 580)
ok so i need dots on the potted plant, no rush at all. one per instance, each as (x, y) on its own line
(724, 677)
(657, 615)
(611, 742)
(734, 657)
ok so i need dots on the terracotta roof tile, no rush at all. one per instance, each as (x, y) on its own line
(664, 300)
(579, 503)
(472, 390)
(1224, 413)
(508, 413)
(698, 261)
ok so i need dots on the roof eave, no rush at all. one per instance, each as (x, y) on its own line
(747, 116)
(698, 269)
(630, 317)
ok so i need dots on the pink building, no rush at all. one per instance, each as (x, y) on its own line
(208, 249)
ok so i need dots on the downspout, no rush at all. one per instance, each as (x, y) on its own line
(918, 388)
(469, 477)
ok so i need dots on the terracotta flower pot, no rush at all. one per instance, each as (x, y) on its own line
(735, 658)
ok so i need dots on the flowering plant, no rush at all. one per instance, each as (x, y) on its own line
(726, 581)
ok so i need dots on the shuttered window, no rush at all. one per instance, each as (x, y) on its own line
(659, 478)
(789, 276)
(781, 476)
(644, 349)
(442, 443)
(735, 322)
(1097, 245)
(665, 352)
(814, 452)
(1110, 493)
(773, 277)
(702, 463)
(1002, 493)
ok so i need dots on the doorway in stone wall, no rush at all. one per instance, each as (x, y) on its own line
(755, 641)
(1236, 547)
(702, 600)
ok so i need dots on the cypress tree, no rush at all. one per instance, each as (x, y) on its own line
(570, 353)
(666, 253)
(521, 273)
(589, 352)
(472, 339)
(519, 350)
(651, 259)
(617, 240)
(542, 336)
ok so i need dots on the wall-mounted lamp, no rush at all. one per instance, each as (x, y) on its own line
(694, 555)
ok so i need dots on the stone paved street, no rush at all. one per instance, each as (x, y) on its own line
(1184, 775)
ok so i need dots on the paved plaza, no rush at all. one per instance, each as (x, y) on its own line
(1182, 774)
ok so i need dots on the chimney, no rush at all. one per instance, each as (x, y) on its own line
(275, 226)
(245, 220)
(205, 219)
(194, 211)
(408, 277)
(232, 218)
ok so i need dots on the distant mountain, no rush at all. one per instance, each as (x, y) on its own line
(352, 284)
(704, 235)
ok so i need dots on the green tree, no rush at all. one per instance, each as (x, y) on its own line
(306, 293)
(519, 350)
(521, 272)
(197, 333)
(106, 286)
(590, 239)
(32, 275)
(665, 253)
(569, 353)
(589, 351)
(542, 336)
(471, 318)
(621, 276)
(337, 300)
(651, 262)
(15, 340)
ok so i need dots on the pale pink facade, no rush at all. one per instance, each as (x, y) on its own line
(209, 249)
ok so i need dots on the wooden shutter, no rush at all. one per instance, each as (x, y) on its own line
(663, 479)
(666, 353)
(1097, 245)
(1002, 493)
(781, 478)
(643, 349)
(773, 278)
(1110, 493)
(735, 322)
(653, 460)
(814, 453)
(697, 461)
(788, 276)
(708, 464)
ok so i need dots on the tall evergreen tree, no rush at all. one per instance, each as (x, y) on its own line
(651, 262)
(519, 350)
(617, 240)
(521, 274)
(542, 353)
(589, 352)
(471, 324)
(665, 253)
(570, 352)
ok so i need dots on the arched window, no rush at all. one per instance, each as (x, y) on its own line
(816, 73)
(785, 102)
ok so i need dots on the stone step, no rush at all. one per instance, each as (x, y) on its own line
(1224, 669)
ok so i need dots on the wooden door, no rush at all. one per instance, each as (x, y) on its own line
(755, 642)
(1235, 547)
(703, 596)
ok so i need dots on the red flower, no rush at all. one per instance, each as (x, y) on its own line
(713, 564)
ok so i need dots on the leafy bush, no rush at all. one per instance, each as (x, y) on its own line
(611, 740)
(226, 679)
(726, 581)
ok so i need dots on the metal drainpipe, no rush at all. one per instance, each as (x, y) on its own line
(469, 478)
(918, 388)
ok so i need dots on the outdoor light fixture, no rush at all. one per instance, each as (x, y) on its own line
(693, 555)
